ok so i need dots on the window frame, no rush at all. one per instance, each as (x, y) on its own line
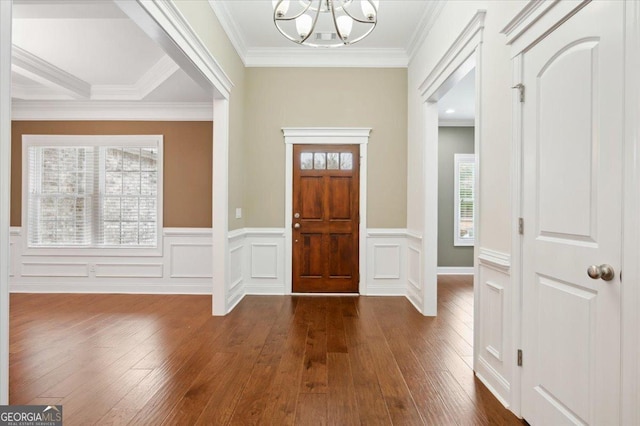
(129, 141)
(458, 160)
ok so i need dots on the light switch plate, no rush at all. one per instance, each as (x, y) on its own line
(238, 212)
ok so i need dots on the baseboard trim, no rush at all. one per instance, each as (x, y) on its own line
(455, 270)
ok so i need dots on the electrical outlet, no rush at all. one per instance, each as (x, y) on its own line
(92, 268)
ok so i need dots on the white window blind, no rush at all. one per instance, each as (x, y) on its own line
(464, 227)
(93, 191)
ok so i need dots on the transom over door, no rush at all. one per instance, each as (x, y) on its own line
(325, 215)
(572, 204)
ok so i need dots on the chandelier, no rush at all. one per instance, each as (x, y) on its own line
(325, 23)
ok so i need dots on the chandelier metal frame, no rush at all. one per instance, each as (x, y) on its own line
(325, 6)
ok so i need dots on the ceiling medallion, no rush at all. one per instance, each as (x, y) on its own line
(325, 23)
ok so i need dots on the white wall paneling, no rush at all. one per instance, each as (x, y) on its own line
(386, 260)
(5, 192)
(184, 267)
(493, 366)
(414, 270)
(257, 260)
(190, 260)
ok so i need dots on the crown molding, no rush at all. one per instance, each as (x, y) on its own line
(428, 20)
(111, 110)
(340, 58)
(221, 11)
(43, 72)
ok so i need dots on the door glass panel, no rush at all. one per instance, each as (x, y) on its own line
(306, 161)
(346, 161)
(333, 161)
(320, 160)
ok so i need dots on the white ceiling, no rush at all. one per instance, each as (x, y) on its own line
(91, 51)
(401, 25)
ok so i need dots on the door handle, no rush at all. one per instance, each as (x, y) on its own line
(603, 271)
(296, 226)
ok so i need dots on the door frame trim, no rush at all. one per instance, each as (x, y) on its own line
(325, 136)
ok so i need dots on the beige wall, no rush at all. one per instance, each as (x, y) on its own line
(206, 25)
(325, 97)
(187, 162)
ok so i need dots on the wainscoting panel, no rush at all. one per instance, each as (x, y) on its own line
(494, 366)
(257, 260)
(191, 260)
(183, 267)
(386, 262)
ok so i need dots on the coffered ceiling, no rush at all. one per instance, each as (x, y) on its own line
(90, 51)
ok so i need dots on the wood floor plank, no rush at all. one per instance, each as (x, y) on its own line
(312, 410)
(280, 360)
(342, 405)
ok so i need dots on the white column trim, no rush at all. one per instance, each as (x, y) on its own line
(220, 220)
(5, 191)
(325, 136)
(630, 392)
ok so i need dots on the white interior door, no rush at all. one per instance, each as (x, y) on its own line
(572, 129)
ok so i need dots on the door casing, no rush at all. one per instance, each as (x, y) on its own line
(325, 136)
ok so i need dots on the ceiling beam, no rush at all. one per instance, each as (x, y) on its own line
(43, 72)
(150, 80)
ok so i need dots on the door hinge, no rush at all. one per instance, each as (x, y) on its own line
(520, 88)
(519, 357)
(520, 226)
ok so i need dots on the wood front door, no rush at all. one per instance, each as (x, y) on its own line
(572, 150)
(326, 194)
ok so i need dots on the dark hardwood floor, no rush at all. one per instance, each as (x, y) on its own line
(151, 360)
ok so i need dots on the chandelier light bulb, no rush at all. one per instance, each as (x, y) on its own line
(303, 25)
(282, 9)
(345, 25)
(369, 10)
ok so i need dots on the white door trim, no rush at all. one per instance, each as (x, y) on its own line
(463, 55)
(5, 191)
(325, 136)
(631, 225)
(166, 25)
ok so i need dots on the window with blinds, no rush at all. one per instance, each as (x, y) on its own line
(464, 232)
(93, 191)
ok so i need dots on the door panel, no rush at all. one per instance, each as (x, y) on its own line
(572, 147)
(325, 218)
(311, 203)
